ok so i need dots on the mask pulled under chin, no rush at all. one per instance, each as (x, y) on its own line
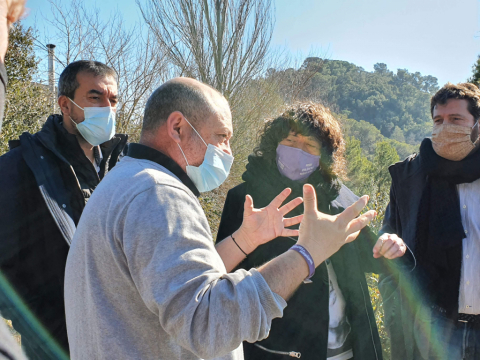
(455, 142)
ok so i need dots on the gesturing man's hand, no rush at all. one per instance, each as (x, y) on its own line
(323, 235)
(262, 225)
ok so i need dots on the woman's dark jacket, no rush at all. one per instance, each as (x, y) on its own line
(304, 325)
(46, 180)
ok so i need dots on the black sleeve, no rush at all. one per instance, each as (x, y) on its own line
(367, 240)
(3, 86)
(232, 215)
(390, 221)
(392, 225)
(364, 244)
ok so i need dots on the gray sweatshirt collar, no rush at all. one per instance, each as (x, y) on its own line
(139, 151)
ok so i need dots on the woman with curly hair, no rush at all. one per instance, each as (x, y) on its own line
(331, 316)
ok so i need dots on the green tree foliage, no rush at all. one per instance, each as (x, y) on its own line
(395, 103)
(377, 304)
(27, 102)
(368, 136)
(475, 72)
(371, 177)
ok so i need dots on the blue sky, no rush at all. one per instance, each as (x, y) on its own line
(435, 37)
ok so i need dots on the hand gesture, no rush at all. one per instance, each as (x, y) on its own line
(262, 225)
(323, 235)
(389, 246)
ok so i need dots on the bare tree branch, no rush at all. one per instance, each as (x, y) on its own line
(133, 52)
(224, 43)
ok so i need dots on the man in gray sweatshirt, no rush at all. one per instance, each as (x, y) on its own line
(144, 279)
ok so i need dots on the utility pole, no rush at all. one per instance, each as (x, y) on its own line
(51, 74)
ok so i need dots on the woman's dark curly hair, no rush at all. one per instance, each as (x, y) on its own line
(307, 119)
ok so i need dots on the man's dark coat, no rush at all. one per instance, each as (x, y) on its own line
(45, 180)
(400, 292)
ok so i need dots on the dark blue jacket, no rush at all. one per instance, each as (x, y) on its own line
(400, 295)
(45, 180)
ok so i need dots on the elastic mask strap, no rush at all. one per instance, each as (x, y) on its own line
(75, 103)
(183, 153)
(72, 120)
(195, 131)
(474, 136)
(76, 106)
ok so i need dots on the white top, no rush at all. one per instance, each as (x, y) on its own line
(469, 299)
(98, 158)
(339, 329)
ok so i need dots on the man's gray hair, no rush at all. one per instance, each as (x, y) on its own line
(68, 83)
(176, 96)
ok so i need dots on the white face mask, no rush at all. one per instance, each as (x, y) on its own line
(214, 169)
(99, 124)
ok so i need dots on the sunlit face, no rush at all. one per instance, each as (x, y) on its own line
(93, 91)
(455, 111)
(217, 131)
(306, 143)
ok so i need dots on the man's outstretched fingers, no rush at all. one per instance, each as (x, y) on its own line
(360, 222)
(248, 206)
(289, 232)
(309, 198)
(353, 210)
(352, 237)
(285, 209)
(280, 198)
(292, 221)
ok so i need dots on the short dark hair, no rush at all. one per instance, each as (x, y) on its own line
(307, 119)
(68, 84)
(176, 96)
(462, 91)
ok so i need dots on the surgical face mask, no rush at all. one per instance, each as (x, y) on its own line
(296, 164)
(214, 169)
(99, 124)
(455, 142)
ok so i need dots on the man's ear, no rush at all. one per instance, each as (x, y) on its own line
(475, 132)
(175, 126)
(65, 105)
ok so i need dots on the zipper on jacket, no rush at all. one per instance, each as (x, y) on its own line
(288, 353)
(369, 322)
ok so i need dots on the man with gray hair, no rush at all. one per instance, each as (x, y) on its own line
(144, 279)
(45, 182)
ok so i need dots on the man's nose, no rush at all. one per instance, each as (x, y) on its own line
(105, 102)
(227, 149)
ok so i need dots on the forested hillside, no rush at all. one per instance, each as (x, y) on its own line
(396, 103)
